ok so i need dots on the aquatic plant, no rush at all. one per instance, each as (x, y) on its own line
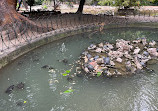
(98, 74)
(66, 73)
(69, 91)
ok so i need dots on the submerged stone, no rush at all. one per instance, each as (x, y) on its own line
(99, 50)
(149, 70)
(96, 57)
(20, 103)
(107, 60)
(152, 43)
(90, 67)
(92, 46)
(146, 53)
(20, 85)
(65, 61)
(152, 61)
(89, 56)
(51, 67)
(119, 60)
(79, 75)
(9, 89)
(69, 79)
(143, 64)
(45, 66)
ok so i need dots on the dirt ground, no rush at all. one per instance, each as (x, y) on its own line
(100, 9)
(89, 9)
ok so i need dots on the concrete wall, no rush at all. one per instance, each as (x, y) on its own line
(14, 52)
(11, 54)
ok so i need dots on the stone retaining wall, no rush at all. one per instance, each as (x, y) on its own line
(14, 52)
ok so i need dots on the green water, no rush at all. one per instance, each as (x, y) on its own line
(44, 90)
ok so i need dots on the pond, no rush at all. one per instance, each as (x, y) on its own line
(44, 88)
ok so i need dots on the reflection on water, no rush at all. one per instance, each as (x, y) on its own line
(44, 89)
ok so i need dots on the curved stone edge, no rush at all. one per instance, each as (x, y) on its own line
(143, 25)
(16, 51)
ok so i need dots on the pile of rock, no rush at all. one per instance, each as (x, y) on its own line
(122, 58)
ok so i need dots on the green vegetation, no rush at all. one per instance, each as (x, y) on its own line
(68, 91)
(45, 7)
(39, 2)
(66, 73)
(98, 74)
(125, 3)
(106, 2)
(17, 5)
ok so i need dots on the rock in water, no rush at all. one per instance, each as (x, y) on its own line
(152, 43)
(86, 70)
(96, 57)
(122, 58)
(51, 67)
(153, 52)
(92, 46)
(65, 61)
(79, 75)
(69, 79)
(144, 41)
(20, 103)
(10, 89)
(89, 56)
(136, 51)
(143, 64)
(152, 61)
(90, 67)
(107, 60)
(100, 61)
(146, 53)
(101, 45)
(119, 60)
(99, 50)
(149, 70)
(45, 67)
(20, 85)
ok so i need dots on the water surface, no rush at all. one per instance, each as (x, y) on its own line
(44, 90)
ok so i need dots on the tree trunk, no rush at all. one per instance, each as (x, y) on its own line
(19, 5)
(8, 12)
(54, 4)
(30, 8)
(80, 8)
(11, 20)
